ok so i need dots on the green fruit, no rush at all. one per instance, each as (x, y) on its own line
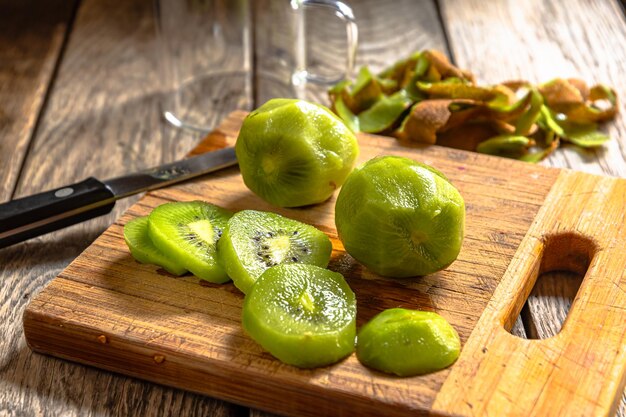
(188, 232)
(303, 315)
(407, 342)
(293, 153)
(142, 248)
(254, 241)
(400, 218)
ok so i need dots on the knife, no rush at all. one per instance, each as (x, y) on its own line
(35, 215)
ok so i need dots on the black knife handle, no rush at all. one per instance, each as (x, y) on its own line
(41, 213)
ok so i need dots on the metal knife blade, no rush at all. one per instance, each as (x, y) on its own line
(32, 216)
(174, 172)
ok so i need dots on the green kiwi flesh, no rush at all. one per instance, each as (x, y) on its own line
(400, 218)
(188, 233)
(407, 342)
(142, 248)
(302, 314)
(254, 241)
(294, 153)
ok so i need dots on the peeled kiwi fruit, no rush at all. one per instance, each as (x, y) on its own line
(293, 153)
(400, 218)
(254, 241)
(142, 248)
(188, 232)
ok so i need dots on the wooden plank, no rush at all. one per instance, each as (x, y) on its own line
(548, 306)
(31, 37)
(101, 119)
(196, 329)
(537, 41)
(581, 371)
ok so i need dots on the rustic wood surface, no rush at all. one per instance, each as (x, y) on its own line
(580, 228)
(107, 310)
(106, 107)
(28, 56)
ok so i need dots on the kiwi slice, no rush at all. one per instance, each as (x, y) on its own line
(188, 233)
(302, 314)
(407, 342)
(254, 241)
(142, 248)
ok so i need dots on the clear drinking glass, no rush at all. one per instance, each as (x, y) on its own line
(205, 59)
(219, 55)
(286, 64)
(343, 12)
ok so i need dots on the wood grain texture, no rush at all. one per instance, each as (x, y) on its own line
(146, 315)
(102, 118)
(122, 36)
(30, 44)
(548, 306)
(581, 371)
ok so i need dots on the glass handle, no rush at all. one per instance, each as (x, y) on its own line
(343, 12)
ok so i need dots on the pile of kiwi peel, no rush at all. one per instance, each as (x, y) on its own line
(394, 215)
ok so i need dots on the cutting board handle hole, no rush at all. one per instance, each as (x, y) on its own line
(563, 262)
(570, 252)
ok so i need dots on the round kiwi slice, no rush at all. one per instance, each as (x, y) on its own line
(254, 241)
(142, 248)
(294, 153)
(407, 342)
(188, 233)
(400, 218)
(303, 315)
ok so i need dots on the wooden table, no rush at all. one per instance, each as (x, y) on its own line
(79, 96)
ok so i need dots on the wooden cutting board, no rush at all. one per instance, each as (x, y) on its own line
(111, 312)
